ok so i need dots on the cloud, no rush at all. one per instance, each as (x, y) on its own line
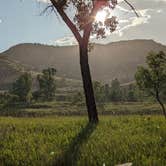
(160, 0)
(44, 1)
(69, 41)
(131, 21)
(123, 21)
(0, 21)
(65, 41)
(159, 11)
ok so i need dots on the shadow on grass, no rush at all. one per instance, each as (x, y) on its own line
(71, 155)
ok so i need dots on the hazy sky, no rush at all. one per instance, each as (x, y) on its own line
(20, 22)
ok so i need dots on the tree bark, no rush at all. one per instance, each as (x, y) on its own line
(87, 85)
(162, 105)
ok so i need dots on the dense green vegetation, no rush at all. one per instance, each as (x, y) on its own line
(152, 79)
(71, 141)
(22, 88)
(47, 85)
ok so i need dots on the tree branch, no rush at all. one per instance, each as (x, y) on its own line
(96, 6)
(132, 7)
(46, 9)
(67, 21)
(88, 28)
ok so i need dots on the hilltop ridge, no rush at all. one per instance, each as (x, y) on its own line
(117, 59)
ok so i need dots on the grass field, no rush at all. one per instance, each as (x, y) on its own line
(67, 109)
(72, 141)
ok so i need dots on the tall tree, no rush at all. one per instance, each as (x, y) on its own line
(99, 92)
(152, 79)
(131, 96)
(82, 26)
(115, 91)
(106, 92)
(22, 87)
(47, 83)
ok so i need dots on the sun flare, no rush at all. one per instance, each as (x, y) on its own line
(101, 16)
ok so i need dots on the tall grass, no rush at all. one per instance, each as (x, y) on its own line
(71, 141)
(69, 109)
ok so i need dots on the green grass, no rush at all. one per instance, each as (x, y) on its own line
(71, 141)
(68, 109)
(138, 108)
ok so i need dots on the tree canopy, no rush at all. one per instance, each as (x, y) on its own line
(152, 78)
(82, 20)
(22, 87)
(47, 83)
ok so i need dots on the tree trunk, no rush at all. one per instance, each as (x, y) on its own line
(162, 105)
(87, 85)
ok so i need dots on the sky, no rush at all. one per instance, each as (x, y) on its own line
(21, 21)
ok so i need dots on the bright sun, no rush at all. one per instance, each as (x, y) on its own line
(101, 16)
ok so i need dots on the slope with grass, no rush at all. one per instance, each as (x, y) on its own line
(118, 59)
(71, 141)
(8, 73)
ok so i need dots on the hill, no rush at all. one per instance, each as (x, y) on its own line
(118, 59)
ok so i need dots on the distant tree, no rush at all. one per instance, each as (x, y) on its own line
(22, 87)
(82, 25)
(131, 95)
(124, 93)
(115, 91)
(36, 95)
(47, 84)
(99, 92)
(6, 99)
(106, 92)
(152, 78)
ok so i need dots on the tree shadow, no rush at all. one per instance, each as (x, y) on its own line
(71, 155)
